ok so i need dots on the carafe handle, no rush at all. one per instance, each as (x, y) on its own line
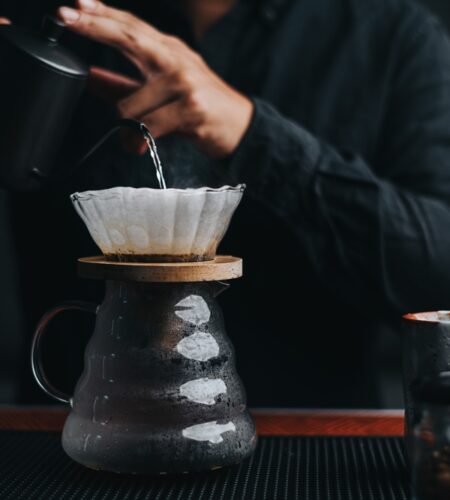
(36, 360)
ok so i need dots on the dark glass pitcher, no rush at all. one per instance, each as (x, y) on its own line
(159, 392)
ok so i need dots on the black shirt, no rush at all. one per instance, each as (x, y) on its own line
(344, 223)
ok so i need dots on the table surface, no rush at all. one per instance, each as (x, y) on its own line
(269, 422)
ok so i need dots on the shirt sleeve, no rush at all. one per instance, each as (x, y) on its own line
(376, 236)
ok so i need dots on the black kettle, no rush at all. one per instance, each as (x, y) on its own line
(40, 87)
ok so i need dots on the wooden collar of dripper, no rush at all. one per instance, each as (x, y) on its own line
(223, 267)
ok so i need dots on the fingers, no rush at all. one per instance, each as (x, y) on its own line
(165, 120)
(132, 141)
(131, 36)
(100, 29)
(93, 6)
(100, 9)
(111, 86)
(4, 20)
(146, 99)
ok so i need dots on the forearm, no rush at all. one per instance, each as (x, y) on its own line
(368, 239)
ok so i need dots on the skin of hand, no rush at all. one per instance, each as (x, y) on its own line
(178, 93)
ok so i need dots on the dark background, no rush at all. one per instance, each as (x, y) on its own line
(441, 7)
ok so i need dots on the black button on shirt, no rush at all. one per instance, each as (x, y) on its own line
(344, 225)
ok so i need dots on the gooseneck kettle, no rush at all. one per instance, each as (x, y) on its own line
(40, 86)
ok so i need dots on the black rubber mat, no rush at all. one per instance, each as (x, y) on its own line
(33, 466)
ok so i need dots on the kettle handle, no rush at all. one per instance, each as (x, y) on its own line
(36, 359)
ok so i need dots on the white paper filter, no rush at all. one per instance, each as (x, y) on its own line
(158, 224)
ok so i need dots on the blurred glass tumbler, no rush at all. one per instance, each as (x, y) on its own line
(431, 459)
(426, 353)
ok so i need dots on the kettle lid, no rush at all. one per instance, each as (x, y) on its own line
(44, 47)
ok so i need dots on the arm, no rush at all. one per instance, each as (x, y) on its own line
(374, 238)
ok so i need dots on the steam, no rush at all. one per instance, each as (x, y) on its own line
(187, 167)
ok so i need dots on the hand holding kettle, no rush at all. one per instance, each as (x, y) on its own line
(178, 93)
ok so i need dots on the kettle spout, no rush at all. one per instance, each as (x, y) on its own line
(124, 122)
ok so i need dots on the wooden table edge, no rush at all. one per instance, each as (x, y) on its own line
(269, 422)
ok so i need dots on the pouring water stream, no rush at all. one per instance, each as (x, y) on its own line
(154, 156)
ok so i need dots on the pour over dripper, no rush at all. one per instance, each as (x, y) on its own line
(158, 225)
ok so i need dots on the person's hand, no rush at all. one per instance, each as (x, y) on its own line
(179, 93)
(4, 20)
